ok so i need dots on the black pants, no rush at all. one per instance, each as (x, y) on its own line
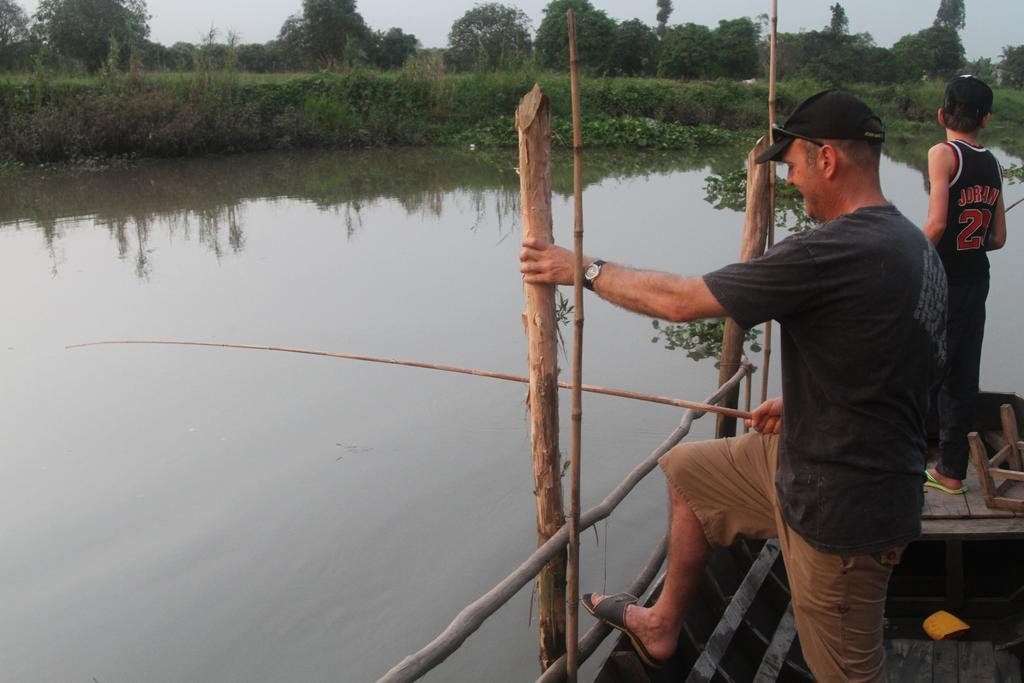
(958, 391)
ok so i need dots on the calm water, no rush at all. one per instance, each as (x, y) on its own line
(179, 514)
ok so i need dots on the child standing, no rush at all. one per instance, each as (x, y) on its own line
(966, 219)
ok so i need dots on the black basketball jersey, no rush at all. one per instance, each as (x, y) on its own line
(974, 189)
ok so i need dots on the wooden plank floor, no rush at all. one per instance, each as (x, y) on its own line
(949, 661)
(967, 516)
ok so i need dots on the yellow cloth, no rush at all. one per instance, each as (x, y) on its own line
(943, 626)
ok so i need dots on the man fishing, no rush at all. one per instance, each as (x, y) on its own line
(835, 472)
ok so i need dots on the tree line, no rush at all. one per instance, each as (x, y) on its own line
(92, 35)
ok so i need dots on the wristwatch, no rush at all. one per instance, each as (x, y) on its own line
(591, 273)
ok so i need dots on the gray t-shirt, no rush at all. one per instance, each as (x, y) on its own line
(862, 304)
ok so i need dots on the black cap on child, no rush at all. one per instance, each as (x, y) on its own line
(968, 91)
(829, 115)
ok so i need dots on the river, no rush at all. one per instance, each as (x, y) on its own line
(187, 514)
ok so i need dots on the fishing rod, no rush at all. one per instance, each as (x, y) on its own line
(1013, 205)
(621, 393)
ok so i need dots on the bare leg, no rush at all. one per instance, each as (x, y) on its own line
(658, 627)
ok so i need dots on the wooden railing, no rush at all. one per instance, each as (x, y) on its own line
(473, 615)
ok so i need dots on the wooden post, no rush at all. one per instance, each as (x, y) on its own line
(533, 121)
(755, 230)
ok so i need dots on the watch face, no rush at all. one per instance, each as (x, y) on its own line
(591, 272)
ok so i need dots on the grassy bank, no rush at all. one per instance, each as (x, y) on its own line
(55, 120)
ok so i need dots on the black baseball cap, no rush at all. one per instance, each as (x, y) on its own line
(830, 115)
(968, 91)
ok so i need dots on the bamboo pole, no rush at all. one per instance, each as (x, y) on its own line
(772, 67)
(755, 229)
(607, 391)
(533, 122)
(572, 606)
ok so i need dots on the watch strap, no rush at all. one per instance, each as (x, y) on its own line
(589, 282)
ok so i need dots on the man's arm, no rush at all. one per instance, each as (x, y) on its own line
(940, 167)
(660, 295)
(997, 231)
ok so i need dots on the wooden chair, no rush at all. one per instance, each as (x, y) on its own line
(1005, 464)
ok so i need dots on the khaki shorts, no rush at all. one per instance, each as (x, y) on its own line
(838, 601)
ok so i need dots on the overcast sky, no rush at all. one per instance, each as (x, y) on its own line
(991, 24)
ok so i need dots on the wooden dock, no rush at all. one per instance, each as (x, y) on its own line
(949, 661)
(967, 517)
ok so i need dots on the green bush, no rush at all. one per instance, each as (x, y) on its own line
(44, 119)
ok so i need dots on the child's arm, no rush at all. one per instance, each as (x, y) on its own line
(997, 231)
(940, 168)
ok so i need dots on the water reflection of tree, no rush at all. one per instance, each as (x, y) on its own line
(119, 230)
(728, 190)
(505, 205)
(210, 225)
(132, 201)
(210, 222)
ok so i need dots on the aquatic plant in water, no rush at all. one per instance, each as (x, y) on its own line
(1015, 174)
(700, 338)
